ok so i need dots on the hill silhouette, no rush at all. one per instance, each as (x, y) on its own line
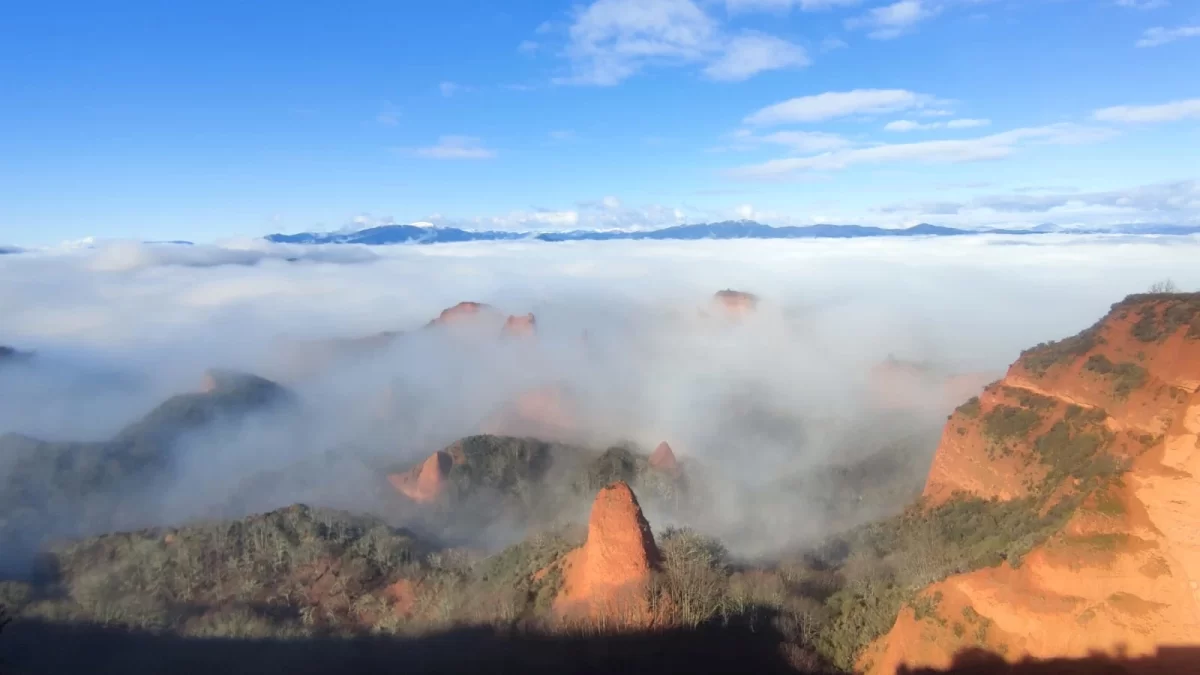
(57, 488)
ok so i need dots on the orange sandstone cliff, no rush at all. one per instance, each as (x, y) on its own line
(1107, 424)
(607, 580)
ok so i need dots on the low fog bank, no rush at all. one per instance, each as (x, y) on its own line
(766, 406)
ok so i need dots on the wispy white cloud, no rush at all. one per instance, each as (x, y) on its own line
(456, 147)
(834, 104)
(1154, 37)
(909, 125)
(389, 116)
(890, 21)
(967, 123)
(612, 40)
(527, 47)
(779, 6)
(1147, 114)
(752, 53)
(795, 141)
(831, 43)
(995, 146)
(449, 89)
(1142, 4)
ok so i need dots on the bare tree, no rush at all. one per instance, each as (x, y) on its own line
(1164, 286)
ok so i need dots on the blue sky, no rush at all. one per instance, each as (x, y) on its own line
(159, 120)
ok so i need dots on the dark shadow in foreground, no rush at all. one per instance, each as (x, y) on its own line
(32, 647)
(975, 661)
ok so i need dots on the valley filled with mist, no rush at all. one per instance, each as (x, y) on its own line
(258, 440)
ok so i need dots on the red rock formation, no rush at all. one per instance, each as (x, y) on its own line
(663, 459)
(606, 580)
(1123, 574)
(520, 326)
(465, 312)
(735, 303)
(547, 413)
(425, 482)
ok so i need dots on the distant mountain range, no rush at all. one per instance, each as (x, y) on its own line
(733, 229)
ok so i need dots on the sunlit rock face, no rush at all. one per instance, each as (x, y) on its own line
(1122, 575)
(606, 581)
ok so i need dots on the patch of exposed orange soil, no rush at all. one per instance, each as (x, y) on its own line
(403, 595)
(606, 581)
(1123, 575)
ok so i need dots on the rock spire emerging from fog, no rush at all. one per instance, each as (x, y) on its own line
(464, 312)
(663, 459)
(735, 303)
(607, 579)
(520, 326)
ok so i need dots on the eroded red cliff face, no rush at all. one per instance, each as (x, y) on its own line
(1110, 418)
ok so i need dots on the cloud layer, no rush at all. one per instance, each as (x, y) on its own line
(113, 341)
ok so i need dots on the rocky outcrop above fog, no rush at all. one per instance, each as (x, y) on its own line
(1108, 423)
